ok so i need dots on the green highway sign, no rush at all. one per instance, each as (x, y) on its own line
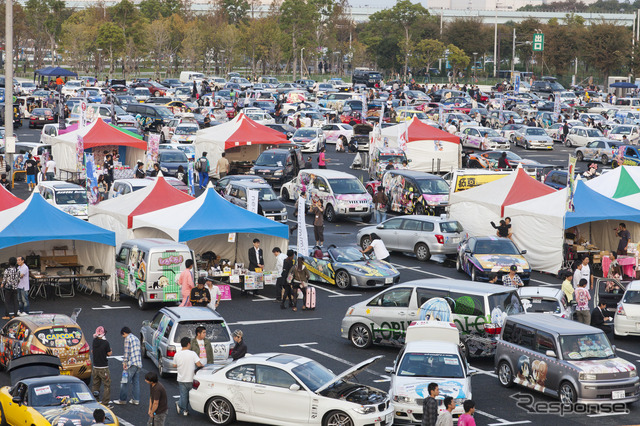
(538, 42)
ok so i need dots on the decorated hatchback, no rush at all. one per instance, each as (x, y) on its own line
(480, 256)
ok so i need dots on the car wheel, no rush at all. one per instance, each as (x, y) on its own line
(527, 146)
(505, 374)
(158, 128)
(422, 252)
(141, 302)
(568, 143)
(604, 159)
(156, 94)
(579, 156)
(162, 138)
(330, 214)
(220, 411)
(458, 264)
(420, 209)
(161, 371)
(567, 393)
(614, 164)
(473, 275)
(366, 218)
(365, 241)
(143, 348)
(337, 418)
(360, 336)
(285, 195)
(343, 279)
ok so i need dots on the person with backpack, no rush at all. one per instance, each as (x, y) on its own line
(202, 166)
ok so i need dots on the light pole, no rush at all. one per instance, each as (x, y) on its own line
(474, 64)
(513, 54)
(301, 62)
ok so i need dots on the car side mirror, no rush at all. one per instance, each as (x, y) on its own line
(551, 354)
(472, 372)
(294, 387)
(523, 252)
(17, 400)
(146, 323)
(381, 226)
(388, 370)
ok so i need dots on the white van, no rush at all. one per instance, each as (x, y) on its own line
(342, 194)
(148, 268)
(189, 76)
(68, 197)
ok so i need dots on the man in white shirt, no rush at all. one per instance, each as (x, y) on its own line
(23, 287)
(586, 272)
(186, 362)
(50, 169)
(378, 247)
(451, 128)
(216, 295)
(577, 275)
(280, 258)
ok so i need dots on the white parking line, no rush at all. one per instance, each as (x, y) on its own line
(126, 423)
(272, 321)
(417, 269)
(337, 293)
(501, 421)
(627, 352)
(345, 295)
(485, 372)
(257, 295)
(544, 283)
(111, 307)
(607, 414)
(298, 344)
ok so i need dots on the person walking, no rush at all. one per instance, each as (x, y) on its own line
(430, 406)
(582, 299)
(132, 364)
(23, 287)
(185, 280)
(300, 282)
(317, 209)
(31, 167)
(287, 290)
(446, 418)
(50, 169)
(100, 374)
(377, 246)
(467, 419)
(322, 161)
(202, 346)
(240, 349)
(200, 295)
(158, 407)
(223, 166)
(186, 362)
(280, 258)
(10, 281)
(380, 201)
(203, 170)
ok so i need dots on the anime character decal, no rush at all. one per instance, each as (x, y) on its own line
(531, 374)
(136, 269)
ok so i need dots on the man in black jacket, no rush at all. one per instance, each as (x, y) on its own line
(240, 349)
(256, 259)
(599, 316)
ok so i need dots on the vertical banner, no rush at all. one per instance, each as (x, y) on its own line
(364, 107)
(191, 179)
(152, 149)
(403, 136)
(303, 240)
(61, 123)
(83, 113)
(556, 106)
(571, 183)
(91, 180)
(441, 117)
(516, 86)
(252, 200)
(80, 153)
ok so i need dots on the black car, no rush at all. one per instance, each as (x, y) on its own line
(171, 82)
(119, 88)
(283, 128)
(221, 184)
(278, 165)
(269, 205)
(170, 159)
(40, 117)
(366, 77)
(154, 116)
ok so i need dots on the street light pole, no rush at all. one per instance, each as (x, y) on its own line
(301, 62)
(474, 64)
(513, 54)
(495, 48)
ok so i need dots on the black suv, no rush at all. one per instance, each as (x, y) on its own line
(544, 88)
(153, 116)
(366, 77)
(278, 165)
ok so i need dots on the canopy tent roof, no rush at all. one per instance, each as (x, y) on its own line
(618, 183)
(55, 72)
(241, 131)
(37, 220)
(623, 85)
(209, 214)
(154, 197)
(7, 199)
(100, 133)
(419, 131)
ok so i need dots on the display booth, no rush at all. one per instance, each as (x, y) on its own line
(428, 149)
(211, 223)
(98, 134)
(477, 207)
(117, 213)
(242, 139)
(539, 225)
(49, 73)
(63, 245)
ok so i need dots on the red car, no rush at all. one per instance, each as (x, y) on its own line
(155, 88)
(352, 117)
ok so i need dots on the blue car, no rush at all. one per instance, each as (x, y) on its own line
(170, 159)
(480, 256)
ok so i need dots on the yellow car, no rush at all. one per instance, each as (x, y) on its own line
(39, 396)
(177, 107)
(407, 115)
(52, 334)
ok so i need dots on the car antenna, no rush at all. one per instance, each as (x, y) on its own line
(75, 314)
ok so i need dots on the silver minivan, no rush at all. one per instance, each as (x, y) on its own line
(422, 235)
(564, 359)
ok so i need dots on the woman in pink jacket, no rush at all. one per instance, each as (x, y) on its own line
(186, 282)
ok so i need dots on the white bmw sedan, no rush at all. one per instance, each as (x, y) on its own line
(287, 390)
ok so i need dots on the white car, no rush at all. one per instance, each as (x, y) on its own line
(287, 390)
(544, 300)
(483, 138)
(26, 87)
(309, 139)
(630, 131)
(127, 186)
(141, 94)
(185, 133)
(625, 321)
(597, 107)
(71, 87)
(308, 118)
(68, 197)
(188, 149)
(260, 116)
(581, 136)
(555, 130)
(431, 354)
(333, 131)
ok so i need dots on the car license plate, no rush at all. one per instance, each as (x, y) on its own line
(389, 419)
(172, 296)
(359, 209)
(271, 217)
(68, 373)
(455, 239)
(617, 394)
(388, 280)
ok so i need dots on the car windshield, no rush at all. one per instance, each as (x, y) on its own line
(536, 131)
(586, 347)
(453, 226)
(305, 133)
(164, 112)
(267, 194)
(271, 160)
(508, 302)
(513, 115)
(542, 305)
(263, 104)
(556, 87)
(385, 158)
(313, 375)
(631, 296)
(489, 133)
(347, 186)
(594, 133)
(346, 254)
(71, 197)
(173, 157)
(185, 130)
(496, 246)
(431, 365)
(621, 130)
(60, 393)
(216, 330)
(512, 156)
(183, 90)
(433, 186)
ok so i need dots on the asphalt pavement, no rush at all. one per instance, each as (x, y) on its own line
(316, 334)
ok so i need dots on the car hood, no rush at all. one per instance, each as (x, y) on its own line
(603, 366)
(78, 415)
(371, 268)
(416, 387)
(271, 205)
(499, 139)
(351, 372)
(544, 138)
(266, 169)
(501, 262)
(303, 140)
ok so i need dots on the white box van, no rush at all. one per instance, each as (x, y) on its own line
(189, 76)
(147, 269)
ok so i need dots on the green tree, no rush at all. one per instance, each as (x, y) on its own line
(45, 17)
(425, 53)
(457, 59)
(153, 9)
(295, 16)
(235, 10)
(606, 47)
(111, 38)
(406, 14)
(470, 35)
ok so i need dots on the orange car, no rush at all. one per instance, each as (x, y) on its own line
(52, 334)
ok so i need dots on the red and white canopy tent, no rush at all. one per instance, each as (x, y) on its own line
(94, 135)
(117, 213)
(7, 199)
(241, 138)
